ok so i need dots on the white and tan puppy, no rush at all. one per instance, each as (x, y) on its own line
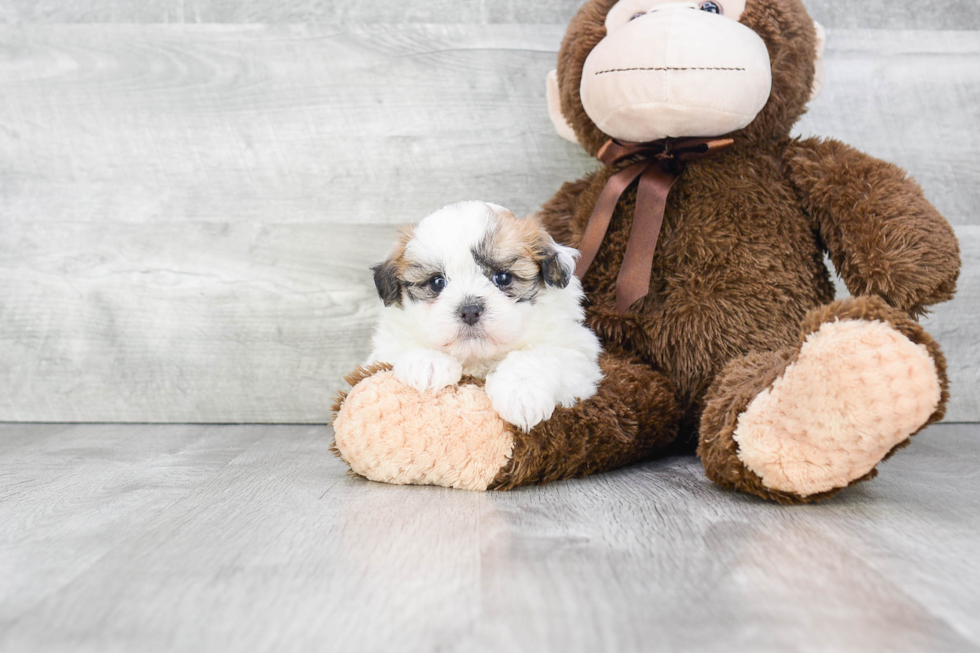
(472, 290)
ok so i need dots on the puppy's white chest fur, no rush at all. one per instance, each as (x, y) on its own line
(472, 290)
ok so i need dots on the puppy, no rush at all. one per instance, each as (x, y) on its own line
(472, 290)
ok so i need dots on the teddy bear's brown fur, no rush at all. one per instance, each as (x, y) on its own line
(738, 289)
(739, 277)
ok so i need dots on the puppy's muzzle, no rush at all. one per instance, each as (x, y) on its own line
(471, 312)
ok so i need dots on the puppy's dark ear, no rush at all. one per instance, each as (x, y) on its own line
(386, 274)
(387, 283)
(557, 263)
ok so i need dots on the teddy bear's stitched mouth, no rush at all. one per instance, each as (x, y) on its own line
(667, 68)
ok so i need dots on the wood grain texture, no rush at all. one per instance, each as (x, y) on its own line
(119, 538)
(384, 124)
(275, 124)
(338, 125)
(877, 14)
(68, 495)
(954, 326)
(183, 322)
(187, 213)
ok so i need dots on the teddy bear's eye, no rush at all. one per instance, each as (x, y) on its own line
(438, 284)
(635, 16)
(711, 7)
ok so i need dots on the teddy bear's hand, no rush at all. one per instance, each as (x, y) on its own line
(884, 237)
(424, 370)
(519, 393)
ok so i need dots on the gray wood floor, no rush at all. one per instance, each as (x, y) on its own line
(210, 538)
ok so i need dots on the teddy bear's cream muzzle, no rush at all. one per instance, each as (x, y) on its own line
(676, 72)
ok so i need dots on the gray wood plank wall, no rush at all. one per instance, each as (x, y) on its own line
(187, 212)
(879, 14)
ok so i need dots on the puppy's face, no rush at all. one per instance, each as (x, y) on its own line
(470, 275)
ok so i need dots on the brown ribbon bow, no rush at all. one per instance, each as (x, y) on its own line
(660, 166)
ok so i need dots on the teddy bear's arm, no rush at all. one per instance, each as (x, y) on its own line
(883, 236)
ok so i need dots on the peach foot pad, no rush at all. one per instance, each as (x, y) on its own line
(857, 390)
(391, 433)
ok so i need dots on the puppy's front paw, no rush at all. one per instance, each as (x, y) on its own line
(518, 399)
(427, 370)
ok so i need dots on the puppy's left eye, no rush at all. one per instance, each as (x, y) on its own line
(503, 279)
(712, 8)
(438, 284)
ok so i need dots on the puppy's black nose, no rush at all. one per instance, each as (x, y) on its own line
(470, 313)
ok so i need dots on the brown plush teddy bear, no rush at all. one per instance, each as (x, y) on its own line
(703, 240)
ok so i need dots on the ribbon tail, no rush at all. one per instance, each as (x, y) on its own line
(598, 225)
(633, 283)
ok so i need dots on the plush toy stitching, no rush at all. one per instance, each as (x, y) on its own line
(666, 68)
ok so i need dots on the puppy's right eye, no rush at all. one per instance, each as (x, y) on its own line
(438, 284)
(503, 279)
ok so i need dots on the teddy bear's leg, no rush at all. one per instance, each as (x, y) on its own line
(633, 416)
(388, 432)
(800, 424)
